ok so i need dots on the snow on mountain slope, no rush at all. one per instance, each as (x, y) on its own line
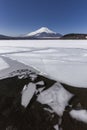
(43, 32)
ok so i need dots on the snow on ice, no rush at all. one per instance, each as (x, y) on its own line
(80, 115)
(3, 64)
(28, 93)
(56, 127)
(56, 97)
(62, 60)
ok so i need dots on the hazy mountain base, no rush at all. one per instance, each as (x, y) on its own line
(36, 116)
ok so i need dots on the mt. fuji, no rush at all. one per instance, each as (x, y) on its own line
(43, 32)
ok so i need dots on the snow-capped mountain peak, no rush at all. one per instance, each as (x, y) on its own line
(41, 30)
(45, 29)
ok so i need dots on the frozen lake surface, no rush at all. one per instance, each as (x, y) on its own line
(62, 60)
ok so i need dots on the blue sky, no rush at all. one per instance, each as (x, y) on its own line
(23, 16)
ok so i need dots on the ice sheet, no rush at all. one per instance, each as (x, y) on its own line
(3, 64)
(62, 60)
